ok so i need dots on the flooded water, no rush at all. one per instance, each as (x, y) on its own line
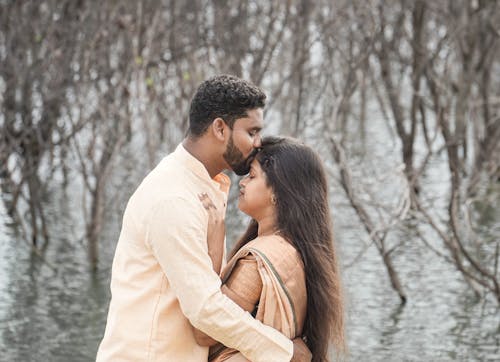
(54, 309)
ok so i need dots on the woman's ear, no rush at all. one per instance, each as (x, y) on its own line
(219, 129)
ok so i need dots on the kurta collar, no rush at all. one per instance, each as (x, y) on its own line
(220, 181)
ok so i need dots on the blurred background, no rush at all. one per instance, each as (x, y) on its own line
(400, 98)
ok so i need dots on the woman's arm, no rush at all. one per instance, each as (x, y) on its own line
(216, 231)
(244, 284)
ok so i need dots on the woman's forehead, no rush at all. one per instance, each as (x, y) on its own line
(255, 165)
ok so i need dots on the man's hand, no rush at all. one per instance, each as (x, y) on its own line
(300, 351)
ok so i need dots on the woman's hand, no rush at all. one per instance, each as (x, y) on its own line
(216, 231)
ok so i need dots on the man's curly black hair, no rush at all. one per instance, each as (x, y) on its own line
(224, 96)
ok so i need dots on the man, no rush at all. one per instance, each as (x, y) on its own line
(162, 277)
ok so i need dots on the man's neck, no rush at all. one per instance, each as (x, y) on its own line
(203, 151)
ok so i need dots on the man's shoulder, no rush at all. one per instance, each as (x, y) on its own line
(164, 186)
(168, 177)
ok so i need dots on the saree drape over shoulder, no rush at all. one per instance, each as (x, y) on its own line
(283, 298)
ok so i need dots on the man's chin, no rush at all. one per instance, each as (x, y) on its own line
(241, 170)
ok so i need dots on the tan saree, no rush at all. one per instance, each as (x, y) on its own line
(283, 299)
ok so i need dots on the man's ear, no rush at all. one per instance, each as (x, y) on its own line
(219, 129)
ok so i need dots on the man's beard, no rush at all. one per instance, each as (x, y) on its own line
(235, 159)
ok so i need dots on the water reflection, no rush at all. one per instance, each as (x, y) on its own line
(442, 321)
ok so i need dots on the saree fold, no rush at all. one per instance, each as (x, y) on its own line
(283, 300)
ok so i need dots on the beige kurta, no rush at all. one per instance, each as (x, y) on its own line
(268, 272)
(162, 278)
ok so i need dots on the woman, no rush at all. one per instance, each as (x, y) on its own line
(284, 268)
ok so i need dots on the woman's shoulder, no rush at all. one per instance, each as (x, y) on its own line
(270, 242)
(275, 248)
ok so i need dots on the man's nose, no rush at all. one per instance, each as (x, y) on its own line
(257, 142)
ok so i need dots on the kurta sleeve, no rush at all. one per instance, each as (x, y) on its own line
(177, 235)
(245, 283)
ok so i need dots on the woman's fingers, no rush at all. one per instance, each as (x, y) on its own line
(206, 201)
(216, 217)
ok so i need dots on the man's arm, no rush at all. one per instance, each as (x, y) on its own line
(177, 234)
(205, 340)
(244, 287)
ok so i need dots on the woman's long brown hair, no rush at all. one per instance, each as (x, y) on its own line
(297, 177)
